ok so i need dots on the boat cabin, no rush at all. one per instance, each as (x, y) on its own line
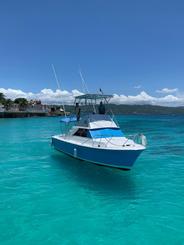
(97, 126)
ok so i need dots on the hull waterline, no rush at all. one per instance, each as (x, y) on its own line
(121, 159)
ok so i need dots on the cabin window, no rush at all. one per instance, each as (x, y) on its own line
(82, 132)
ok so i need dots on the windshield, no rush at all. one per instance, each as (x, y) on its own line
(85, 120)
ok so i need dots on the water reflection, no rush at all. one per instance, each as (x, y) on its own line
(96, 178)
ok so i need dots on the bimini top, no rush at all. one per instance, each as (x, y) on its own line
(95, 121)
(93, 97)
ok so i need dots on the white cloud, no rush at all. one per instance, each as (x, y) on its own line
(143, 98)
(167, 90)
(49, 96)
(15, 93)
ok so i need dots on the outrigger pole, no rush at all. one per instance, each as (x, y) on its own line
(85, 88)
(58, 85)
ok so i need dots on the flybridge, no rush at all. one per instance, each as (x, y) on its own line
(93, 97)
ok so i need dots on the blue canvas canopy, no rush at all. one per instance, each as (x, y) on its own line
(105, 133)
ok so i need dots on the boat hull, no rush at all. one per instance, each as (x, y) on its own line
(123, 159)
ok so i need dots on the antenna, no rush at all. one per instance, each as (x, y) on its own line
(58, 85)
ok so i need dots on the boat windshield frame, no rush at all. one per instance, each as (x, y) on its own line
(89, 118)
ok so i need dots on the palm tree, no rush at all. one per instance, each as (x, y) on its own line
(8, 103)
(2, 98)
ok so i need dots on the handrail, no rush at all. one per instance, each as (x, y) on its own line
(138, 138)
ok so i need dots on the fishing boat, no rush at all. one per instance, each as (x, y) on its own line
(97, 138)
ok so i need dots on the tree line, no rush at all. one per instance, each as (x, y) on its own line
(8, 103)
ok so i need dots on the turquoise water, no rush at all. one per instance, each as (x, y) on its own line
(49, 198)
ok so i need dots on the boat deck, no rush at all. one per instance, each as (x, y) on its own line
(115, 143)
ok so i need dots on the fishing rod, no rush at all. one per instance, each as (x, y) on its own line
(85, 88)
(58, 85)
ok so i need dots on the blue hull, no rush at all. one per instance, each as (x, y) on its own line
(123, 159)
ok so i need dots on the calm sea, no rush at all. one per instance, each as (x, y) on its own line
(49, 198)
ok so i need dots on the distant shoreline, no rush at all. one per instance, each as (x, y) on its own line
(135, 109)
(21, 114)
(117, 110)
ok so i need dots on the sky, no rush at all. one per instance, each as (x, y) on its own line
(133, 49)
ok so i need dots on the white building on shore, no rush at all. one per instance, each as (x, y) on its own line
(2, 108)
